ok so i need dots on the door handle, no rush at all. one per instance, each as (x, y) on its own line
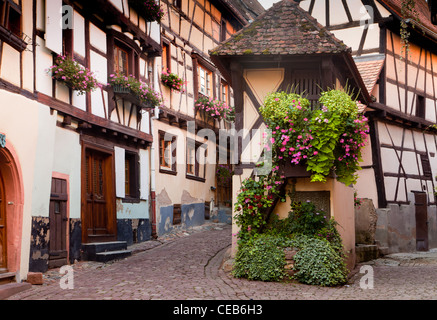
(1, 226)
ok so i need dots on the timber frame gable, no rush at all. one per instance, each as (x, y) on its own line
(403, 85)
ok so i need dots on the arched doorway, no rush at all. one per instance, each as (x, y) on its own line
(11, 210)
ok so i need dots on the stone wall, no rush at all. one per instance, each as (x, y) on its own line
(396, 228)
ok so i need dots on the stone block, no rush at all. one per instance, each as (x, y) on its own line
(35, 278)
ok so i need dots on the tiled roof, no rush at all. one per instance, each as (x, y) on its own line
(370, 68)
(423, 13)
(284, 29)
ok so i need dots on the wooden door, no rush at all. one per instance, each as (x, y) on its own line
(99, 212)
(3, 239)
(58, 224)
(421, 221)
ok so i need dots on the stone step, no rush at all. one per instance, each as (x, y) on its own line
(105, 251)
(9, 289)
(112, 255)
(7, 277)
(366, 252)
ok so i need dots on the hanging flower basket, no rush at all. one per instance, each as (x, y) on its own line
(129, 85)
(73, 75)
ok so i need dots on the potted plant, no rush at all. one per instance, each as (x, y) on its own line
(73, 75)
(130, 85)
(172, 80)
(148, 9)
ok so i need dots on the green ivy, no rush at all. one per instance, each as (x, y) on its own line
(318, 263)
(261, 259)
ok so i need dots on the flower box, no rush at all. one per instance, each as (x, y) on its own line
(214, 109)
(135, 91)
(73, 75)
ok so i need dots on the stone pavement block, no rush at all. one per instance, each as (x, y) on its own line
(35, 278)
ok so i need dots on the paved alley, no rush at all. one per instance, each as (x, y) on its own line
(188, 268)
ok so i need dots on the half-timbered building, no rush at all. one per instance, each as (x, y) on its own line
(185, 147)
(400, 166)
(286, 49)
(75, 167)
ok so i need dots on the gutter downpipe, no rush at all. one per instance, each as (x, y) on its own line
(152, 175)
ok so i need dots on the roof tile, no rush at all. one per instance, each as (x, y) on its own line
(284, 29)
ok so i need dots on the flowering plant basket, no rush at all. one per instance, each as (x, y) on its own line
(130, 85)
(172, 81)
(214, 109)
(73, 75)
(148, 9)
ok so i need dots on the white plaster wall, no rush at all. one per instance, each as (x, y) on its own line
(34, 149)
(67, 160)
(10, 66)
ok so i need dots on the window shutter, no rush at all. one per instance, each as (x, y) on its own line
(53, 33)
(120, 172)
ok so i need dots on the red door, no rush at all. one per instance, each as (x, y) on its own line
(99, 196)
(3, 239)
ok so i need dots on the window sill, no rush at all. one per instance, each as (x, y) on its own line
(168, 171)
(130, 200)
(188, 176)
(13, 40)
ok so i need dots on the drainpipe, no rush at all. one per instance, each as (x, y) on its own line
(152, 175)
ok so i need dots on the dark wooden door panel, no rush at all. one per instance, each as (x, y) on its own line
(58, 223)
(421, 221)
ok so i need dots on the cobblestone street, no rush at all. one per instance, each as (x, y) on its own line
(188, 267)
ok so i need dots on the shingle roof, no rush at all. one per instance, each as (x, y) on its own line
(284, 29)
(370, 68)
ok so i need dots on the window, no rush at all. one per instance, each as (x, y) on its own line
(426, 166)
(420, 106)
(167, 153)
(131, 175)
(121, 58)
(10, 16)
(205, 79)
(165, 57)
(196, 160)
(223, 31)
(225, 93)
(10, 24)
(178, 4)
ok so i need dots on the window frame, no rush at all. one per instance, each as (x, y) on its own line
(208, 75)
(131, 163)
(171, 168)
(14, 39)
(224, 85)
(196, 174)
